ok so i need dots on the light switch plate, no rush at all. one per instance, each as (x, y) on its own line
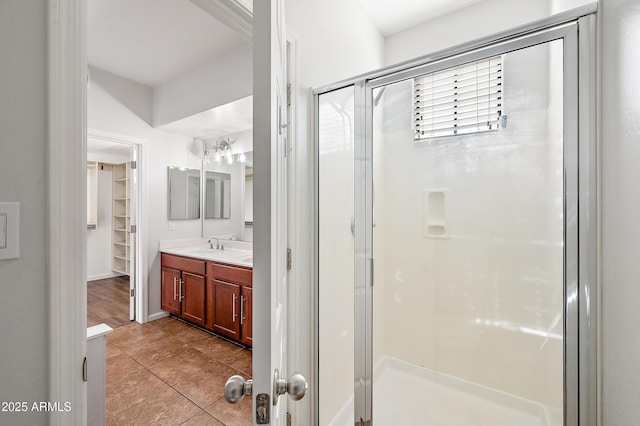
(9, 231)
(3, 230)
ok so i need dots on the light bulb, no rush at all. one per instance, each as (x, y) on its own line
(242, 158)
(229, 157)
(218, 157)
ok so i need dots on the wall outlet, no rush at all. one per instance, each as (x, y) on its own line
(172, 225)
(9, 231)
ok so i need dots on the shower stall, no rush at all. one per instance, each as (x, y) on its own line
(456, 236)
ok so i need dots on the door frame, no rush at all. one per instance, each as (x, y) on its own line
(66, 206)
(67, 79)
(299, 199)
(141, 203)
(582, 223)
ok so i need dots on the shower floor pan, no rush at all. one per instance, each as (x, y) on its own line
(406, 394)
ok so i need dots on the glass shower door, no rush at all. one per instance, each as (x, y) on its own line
(467, 240)
(335, 239)
(456, 269)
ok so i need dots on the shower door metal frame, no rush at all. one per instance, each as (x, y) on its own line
(577, 31)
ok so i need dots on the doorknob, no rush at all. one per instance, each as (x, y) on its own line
(236, 388)
(296, 386)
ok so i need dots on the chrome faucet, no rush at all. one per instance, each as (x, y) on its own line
(211, 243)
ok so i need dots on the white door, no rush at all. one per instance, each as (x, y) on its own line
(270, 284)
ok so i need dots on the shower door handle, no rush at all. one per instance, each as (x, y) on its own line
(353, 225)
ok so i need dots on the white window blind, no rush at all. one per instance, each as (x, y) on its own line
(460, 100)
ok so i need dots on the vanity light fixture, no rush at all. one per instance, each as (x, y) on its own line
(222, 151)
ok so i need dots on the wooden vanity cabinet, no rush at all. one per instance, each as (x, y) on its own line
(229, 301)
(169, 298)
(213, 295)
(183, 287)
(226, 310)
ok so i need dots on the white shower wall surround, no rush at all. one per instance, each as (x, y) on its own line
(484, 304)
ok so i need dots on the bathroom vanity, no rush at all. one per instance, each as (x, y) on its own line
(210, 288)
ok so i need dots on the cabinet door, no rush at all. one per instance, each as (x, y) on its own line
(226, 309)
(170, 288)
(193, 298)
(246, 321)
(209, 303)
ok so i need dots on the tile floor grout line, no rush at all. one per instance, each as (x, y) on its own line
(220, 420)
(138, 403)
(187, 346)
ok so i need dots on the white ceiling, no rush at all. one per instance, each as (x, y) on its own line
(101, 147)
(153, 41)
(392, 16)
(233, 117)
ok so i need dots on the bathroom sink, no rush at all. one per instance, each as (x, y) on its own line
(206, 251)
(228, 255)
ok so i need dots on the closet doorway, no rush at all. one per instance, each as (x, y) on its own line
(113, 201)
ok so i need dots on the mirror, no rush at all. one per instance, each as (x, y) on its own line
(184, 193)
(225, 211)
(217, 195)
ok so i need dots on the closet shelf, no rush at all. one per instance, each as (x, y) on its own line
(120, 218)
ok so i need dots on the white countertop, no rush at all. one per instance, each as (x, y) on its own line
(98, 331)
(233, 256)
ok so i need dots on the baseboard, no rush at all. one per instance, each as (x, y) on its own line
(157, 316)
(103, 276)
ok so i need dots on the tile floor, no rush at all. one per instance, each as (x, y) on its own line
(167, 372)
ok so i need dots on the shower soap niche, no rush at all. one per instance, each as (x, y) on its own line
(435, 213)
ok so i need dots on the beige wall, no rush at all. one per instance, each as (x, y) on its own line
(620, 108)
(24, 358)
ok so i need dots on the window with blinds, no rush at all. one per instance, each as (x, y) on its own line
(457, 101)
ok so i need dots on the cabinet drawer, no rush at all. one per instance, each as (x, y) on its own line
(182, 263)
(233, 274)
